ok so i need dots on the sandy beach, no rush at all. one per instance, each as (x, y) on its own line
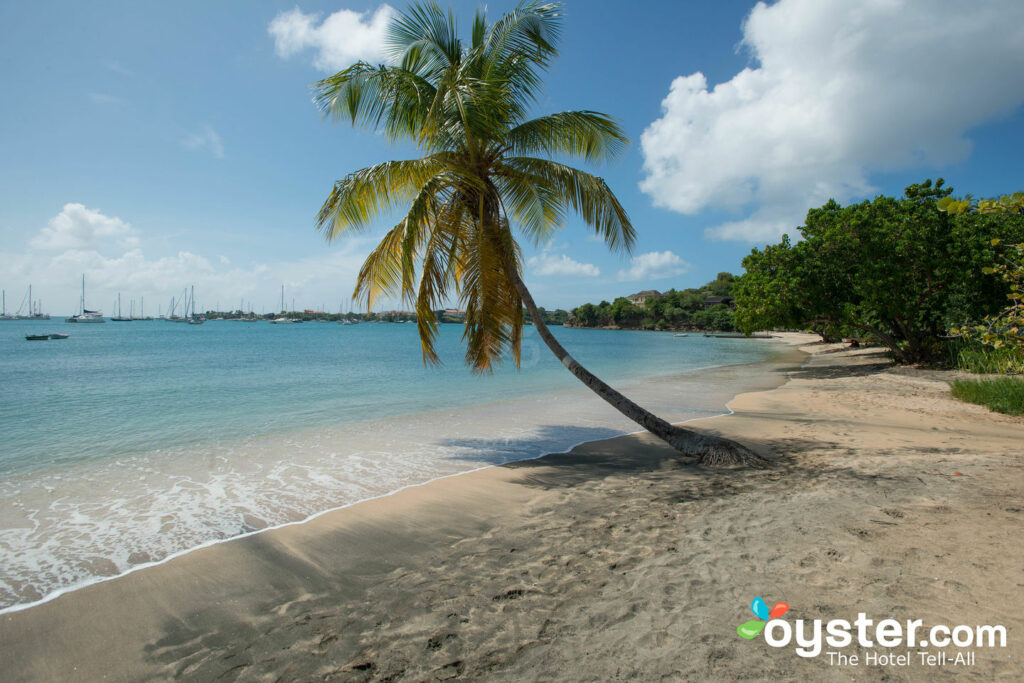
(617, 560)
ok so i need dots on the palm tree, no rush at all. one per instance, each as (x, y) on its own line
(485, 169)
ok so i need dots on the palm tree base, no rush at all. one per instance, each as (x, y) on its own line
(713, 451)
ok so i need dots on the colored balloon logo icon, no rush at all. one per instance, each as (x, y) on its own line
(759, 607)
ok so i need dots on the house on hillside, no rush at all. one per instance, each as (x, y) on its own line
(720, 300)
(640, 298)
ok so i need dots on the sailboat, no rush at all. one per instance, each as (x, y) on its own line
(193, 319)
(282, 320)
(3, 307)
(142, 310)
(119, 318)
(35, 309)
(86, 316)
(171, 317)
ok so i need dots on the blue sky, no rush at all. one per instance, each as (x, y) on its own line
(154, 146)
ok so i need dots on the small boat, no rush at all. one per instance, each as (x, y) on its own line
(59, 336)
(37, 337)
(680, 335)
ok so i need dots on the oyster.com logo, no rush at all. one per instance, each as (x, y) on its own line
(904, 641)
(750, 629)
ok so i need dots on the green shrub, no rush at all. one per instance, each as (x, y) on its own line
(1003, 394)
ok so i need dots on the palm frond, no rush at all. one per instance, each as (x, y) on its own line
(537, 210)
(519, 46)
(381, 272)
(390, 98)
(390, 268)
(361, 196)
(588, 195)
(588, 134)
(425, 36)
(440, 273)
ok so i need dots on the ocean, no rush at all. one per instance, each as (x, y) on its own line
(133, 442)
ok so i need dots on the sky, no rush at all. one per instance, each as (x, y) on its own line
(156, 146)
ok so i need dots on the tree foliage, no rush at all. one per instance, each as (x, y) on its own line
(902, 271)
(486, 169)
(674, 310)
(1002, 331)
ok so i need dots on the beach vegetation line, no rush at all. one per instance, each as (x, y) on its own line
(900, 272)
(1001, 394)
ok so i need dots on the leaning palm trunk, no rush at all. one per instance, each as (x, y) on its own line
(708, 450)
(487, 170)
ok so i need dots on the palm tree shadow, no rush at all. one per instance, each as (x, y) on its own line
(606, 453)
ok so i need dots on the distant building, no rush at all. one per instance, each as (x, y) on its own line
(640, 298)
(729, 301)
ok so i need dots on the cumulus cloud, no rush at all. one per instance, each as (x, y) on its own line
(206, 139)
(836, 91)
(78, 227)
(338, 41)
(547, 263)
(654, 265)
(108, 252)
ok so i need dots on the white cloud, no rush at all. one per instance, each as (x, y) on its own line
(108, 252)
(77, 227)
(206, 139)
(547, 263)
(839, 89)
(654, 265)
(340, 40)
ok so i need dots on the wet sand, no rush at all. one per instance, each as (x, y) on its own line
(618, 559)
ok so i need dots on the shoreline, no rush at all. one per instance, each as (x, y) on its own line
(513, 402)
(614, 558)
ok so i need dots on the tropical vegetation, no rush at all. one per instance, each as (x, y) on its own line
(901, 272)
(685, 309)
(487, 175)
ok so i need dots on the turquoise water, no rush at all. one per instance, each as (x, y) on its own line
(131, 442)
